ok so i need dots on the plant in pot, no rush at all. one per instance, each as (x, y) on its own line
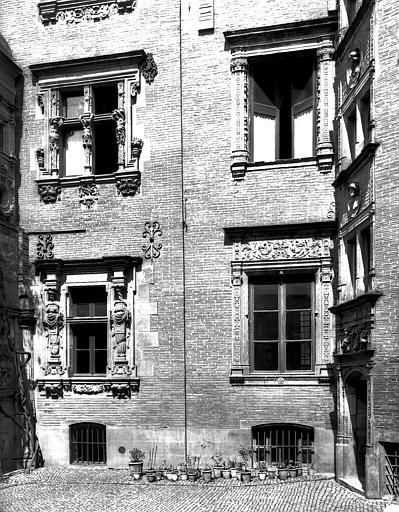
(292, 470)
(207, 473)
(136, 461)
(245, 454)
(218, 466)
(299, 463)
(311, 471)
(271, 472)
(262, 470)
(182, 470)
(192, 462)
(282, 471)
(226, 471)
(233, 468)
(150, 472)
(163, 468)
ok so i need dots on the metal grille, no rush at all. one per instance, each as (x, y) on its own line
(392, 468)
(88, 443)
(281, 443)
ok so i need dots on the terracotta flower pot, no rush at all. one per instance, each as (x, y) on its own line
(136, 467)
(226, 473)
(262, 475)
(150, 475)
(217, 471)
(282, 473)
(192, 477)
(293, 472)
(207, 475)
(233, 472)
(271, 473)
(183, 476)
(246, 476)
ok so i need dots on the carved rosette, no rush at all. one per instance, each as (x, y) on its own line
(88, 196)
(49, 193)
(45, 247)
(239, 148)
(128, 186)
(54, 142)
(149, 69)
(118, 115)
(152, 232)
(87, 138)
(325, 106)
(120, 329)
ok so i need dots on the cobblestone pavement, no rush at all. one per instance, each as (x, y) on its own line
(78, 489)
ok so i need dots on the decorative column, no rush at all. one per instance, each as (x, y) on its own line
(53, 324)
(120, 327)
(240, 153)
(54, 143)
(325, 106)
(87, 122)
(118, 115)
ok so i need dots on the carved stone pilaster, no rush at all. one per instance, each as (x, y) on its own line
(88, 196)
(54, 143)
(327, 348)
(325, 106)
(239, 148)
(49, 193)
(87, 139)
(53, 324)
(236, 281)
(149, 69)
(118, 115)
(152, 232)
(120, 330)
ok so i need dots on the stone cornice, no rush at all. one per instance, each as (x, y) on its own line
(366, 298)
(76, 11)
(97, 265)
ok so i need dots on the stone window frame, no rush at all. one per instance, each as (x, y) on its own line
(77, 11)
(118, 275)
(303, 252)
(51, 79)
(314, 35)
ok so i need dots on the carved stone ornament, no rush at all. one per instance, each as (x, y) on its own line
(128, 186)
(49, 193)
(53, 369)
(120, 329)
(44, 247)
(87, 121)
(136, 145)
(88, 389)
(283, 249)
(238, 64)
(353, 71)
(356, 338)
(54, 136)
(118, 115)
(89, 10)
(152, 247)
(150, 69)
(7, 189)
(40, 158)
(354, 199)
(53, 390)
(53, 323)
(120, 370)
(331, 211)
(123, 390)
(88, 195)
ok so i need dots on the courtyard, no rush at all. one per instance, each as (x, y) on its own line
(75, 489)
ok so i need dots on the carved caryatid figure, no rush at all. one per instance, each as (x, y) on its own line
(53, 323)
(120, 328)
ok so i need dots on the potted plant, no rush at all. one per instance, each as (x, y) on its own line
(262, 470)
(282, 471)
(226, 471)
(311, 471)
(182, 471)
(292, 471)
(271, 472)
(163, 468)
(218, 466)
(299, 464)
(233, 468)
(136, 461)
(192, 462)
(207, 473)
(245, 454)
(150, 472)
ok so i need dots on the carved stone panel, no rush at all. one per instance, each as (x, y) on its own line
(152, 247)
(44, 247)
(88, 196)
(50, 193)
(150, 69)
(120, 329)
(283, 249)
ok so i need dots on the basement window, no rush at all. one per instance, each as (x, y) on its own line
(282, 107)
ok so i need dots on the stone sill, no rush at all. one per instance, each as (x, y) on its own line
(117, 387)
(278, 380)
(288, 164)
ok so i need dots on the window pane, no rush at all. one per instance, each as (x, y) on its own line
(303, 133)
(73, 152)
(265, 296)
(265, 356)
(298, 355)
(266, 326)
(82, 310)
(81, 337)
(100, 361)
(100, 309)
(88, 301)
(82, 361)
(105, 98)
(264, 137)
(298, 325)
(298, 295)
(100, 333)
(105, 148)
(73, 104)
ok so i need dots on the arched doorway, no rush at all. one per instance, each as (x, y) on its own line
(356, 401)
(88, 443)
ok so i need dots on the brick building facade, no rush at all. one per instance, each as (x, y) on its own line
(185, 263)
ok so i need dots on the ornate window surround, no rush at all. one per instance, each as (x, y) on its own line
(51, 78)
(256, 251)
(317, 35)
(75, 11)
(118, 275)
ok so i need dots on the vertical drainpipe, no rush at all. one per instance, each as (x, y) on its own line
(183, 228)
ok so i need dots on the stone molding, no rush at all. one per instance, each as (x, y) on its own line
(120, 388)
(77, 11)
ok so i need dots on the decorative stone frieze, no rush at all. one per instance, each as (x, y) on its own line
(87, 122)
(152, 247)
(149, 69)
(49, 193)
(128, 186)
(53, 369)
(88, 389)
(52, 390)
(74, 11)
(45, 247)
(88, 196)
(118, 370)
(123, 390)
(284, 249)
